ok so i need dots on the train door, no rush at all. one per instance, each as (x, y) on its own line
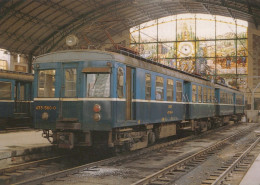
(187, 97)
(68, 90)
(130, 108)
(19, 97)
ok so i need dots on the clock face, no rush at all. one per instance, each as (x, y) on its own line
(186, 49)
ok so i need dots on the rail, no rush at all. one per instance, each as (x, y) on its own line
(158, 176)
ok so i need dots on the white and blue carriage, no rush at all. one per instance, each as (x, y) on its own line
(90, 98)
(15, 99)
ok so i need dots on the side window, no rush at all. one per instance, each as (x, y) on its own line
(209, 95)
(147, 86)
(212, 95)
(70, 82)
(169, 90)
(120, 82)
(159, 91)
(22, 92)
(205, 94)
(199, 94)
(178, 91)
(221, 97)
(5, 91)
(194, 93)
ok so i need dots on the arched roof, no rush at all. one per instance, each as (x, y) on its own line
(39, 26)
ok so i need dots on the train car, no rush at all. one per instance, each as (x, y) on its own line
(201, 107)
(227, 107)
(15, 99)
(239, 104)
(98, 98)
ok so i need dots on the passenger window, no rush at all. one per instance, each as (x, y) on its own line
(159, 91)
(169, 90)
(178, 91)
(148, 86)
(5, 91)
(22, 93)
(204, 94)
(194, 93)
(199, 94)
(208, 95)
(46, 83)
(70, 82)
(221, 97)
(120, 82)
(212, 95)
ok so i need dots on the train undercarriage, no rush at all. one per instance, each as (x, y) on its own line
(132, 138)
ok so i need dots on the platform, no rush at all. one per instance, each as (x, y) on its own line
(252, 176)
(16, 147)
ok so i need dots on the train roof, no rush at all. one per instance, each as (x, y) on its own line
(126, 58)
(14, 75)
(132, 60)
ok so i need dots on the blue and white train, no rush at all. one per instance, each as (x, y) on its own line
(15, 99)
(99, 98)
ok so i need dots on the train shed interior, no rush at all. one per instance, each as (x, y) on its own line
(211, 46)
(32, 28)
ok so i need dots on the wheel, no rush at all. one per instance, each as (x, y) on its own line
(151, 138)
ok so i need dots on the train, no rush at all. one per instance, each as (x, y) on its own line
(121, 101)
(16, 99)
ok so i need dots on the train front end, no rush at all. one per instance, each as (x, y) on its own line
(72, 99)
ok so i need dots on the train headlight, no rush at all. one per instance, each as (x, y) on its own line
(97, 117)
(45, 115)
(97, 108)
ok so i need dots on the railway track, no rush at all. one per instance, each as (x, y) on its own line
(181, 160)
(20, 172)
(232, 169)
(172, 172)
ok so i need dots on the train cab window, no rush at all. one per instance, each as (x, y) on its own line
(199, 94)
(204, 94)
(46, 83)
(169, 90)
(5, 90)
(194, 93)
(159, 91)
(70, 82)
(98, 85)
(178, 91)
(120, 82)
(148, 86)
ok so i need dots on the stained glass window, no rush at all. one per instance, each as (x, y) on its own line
(212, 46)
(167, 28)
(148, 31)
(205, 27)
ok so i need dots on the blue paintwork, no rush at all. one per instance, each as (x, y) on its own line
(113, 110)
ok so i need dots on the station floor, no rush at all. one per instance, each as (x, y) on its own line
(22, 139)
(19, 142)
(14, 145)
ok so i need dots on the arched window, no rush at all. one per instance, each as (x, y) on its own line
(209, 45)
(3, 64)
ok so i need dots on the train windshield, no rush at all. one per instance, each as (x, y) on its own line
(46, 83)
(98, 85)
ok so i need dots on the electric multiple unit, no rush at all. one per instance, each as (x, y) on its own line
(106, 99)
